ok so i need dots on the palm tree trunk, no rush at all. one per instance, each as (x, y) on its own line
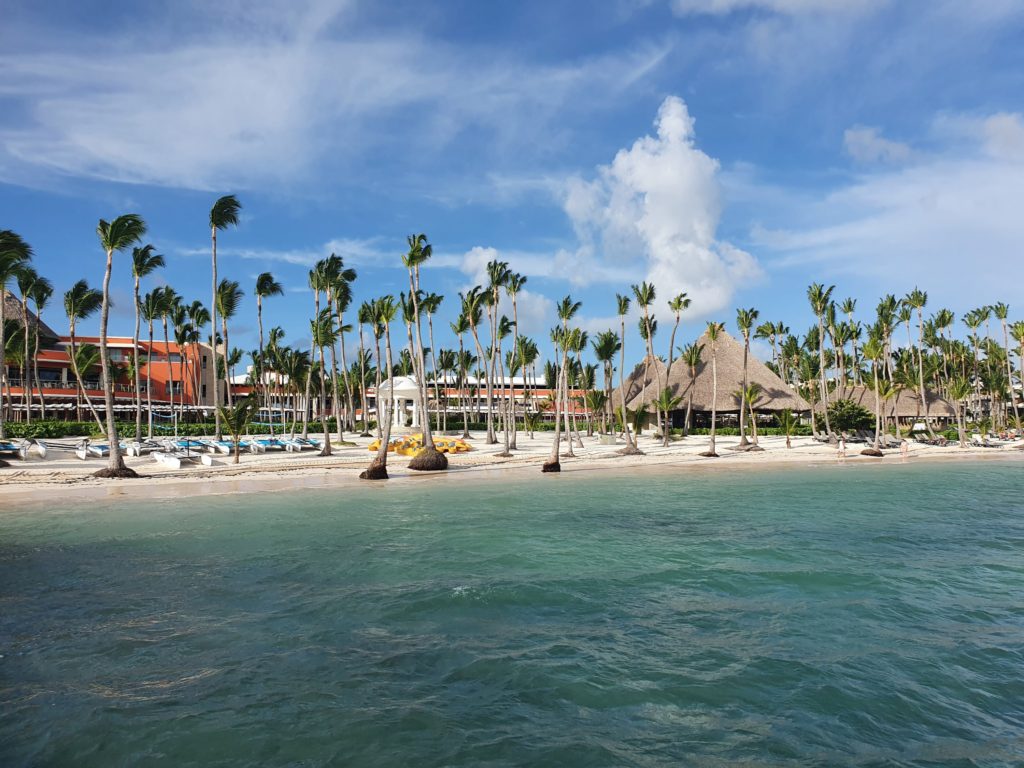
(138, 379)
(78, 378)
(35, 367)
(350, 410)
(630, 445)
(1009, 373)
(824, 385)
(149, 381)
(3, 365)
(26, 375)
(213, 339)
(170, 376)
(227, 354)
(714, 399)
(553, 464)
(378, 467)
(743, 394)
(323, 403)
(362, 384)
(305, 403)
(116, 462)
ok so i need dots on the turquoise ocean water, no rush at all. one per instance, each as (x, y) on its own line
(867, 616)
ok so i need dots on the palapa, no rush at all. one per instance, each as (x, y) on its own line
(775, 394)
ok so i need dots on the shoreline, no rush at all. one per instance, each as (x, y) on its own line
(35, 483)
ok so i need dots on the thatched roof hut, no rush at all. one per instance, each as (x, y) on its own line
(776, 395)
(13, 311)
(906, 405)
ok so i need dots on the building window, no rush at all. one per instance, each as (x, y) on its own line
(204, 362)
(204, 393)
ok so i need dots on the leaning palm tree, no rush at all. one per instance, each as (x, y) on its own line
(745, 319)
(713, 332)
(235, 418)
(80, 302)
(223, 214)
(384, 311)
(85, 358)
(123, 232)
(144, 262)
(513, 286)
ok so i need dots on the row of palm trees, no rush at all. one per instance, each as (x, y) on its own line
(837, 352)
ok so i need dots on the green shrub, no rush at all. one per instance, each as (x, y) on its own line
(846, 415)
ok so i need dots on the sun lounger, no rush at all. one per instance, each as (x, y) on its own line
(88, 450)
(299, 444)
(19, 449)
(270, 444)
(140, 447)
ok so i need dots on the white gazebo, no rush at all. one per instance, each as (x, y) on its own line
(407, 396)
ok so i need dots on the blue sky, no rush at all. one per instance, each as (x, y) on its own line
(735, 149)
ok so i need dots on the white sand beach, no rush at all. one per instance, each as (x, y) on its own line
(62, 475)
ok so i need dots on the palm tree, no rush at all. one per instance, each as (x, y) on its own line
(80, 302)
(85, 358)
(223, 214)
(567, 309)
(460, 327)
(820, 298)
(384, 311)
(787, 423)
(917, 299)
(169, 304)
(513, 285)
(676, 305)
(235, 418)
(116, 235)
(340, 293)
(745, 319)
(40, 293)
(15, 255)
(1001, 312)
(323, 335)
(644, 294)
(26, 278)
(959, 391)
(559, 337)
(874, 351)
(691, 355)
(145, 261)
(152, 310)
(713, 331)
(622, 303)
(606, 345)
(266, 286)
(364, 316)
(229, 296)
(428, 458)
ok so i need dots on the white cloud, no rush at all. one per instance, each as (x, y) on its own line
(653, 214)
(371, 252)
(284, 95)
(865, 144)
(687, 7)
(948, 221)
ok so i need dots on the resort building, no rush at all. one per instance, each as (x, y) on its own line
(905, 408)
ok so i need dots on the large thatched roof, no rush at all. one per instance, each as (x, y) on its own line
(776, 395)
(13, 311)
(906, 405)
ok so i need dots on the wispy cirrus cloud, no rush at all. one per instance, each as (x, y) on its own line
(260, 103)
